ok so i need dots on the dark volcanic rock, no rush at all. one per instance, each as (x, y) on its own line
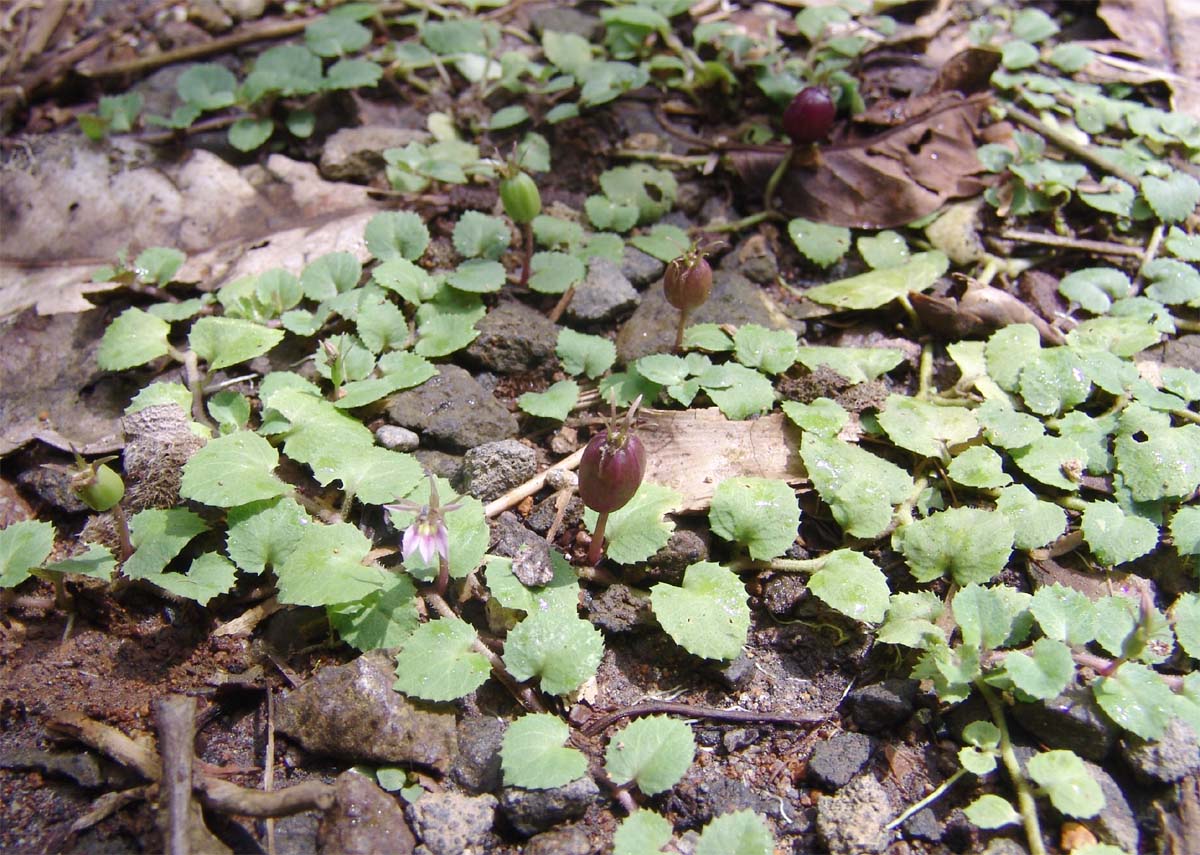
(1073, 721)
(477, 764)
(531, 811)
(365, 820)
(881, 706)
(513, 338)
(451, 823)
(452, 410)
(352, 712)
(836, 761)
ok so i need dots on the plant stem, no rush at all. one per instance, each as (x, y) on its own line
(683, 319)
(925, 374)
(1069, 145)
(596, 549)
(195, 383)
(527, 234)
(1025, 802)
(783, 565)
(695, 160)
(927, 801)
(561, 305)
(773, 181)
(443, 577)
(738, 225)
(526, 696)
(122, 523)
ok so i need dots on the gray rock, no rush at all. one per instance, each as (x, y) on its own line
(52, 487)
(640, 268)
(294, 835)
(923, 825)
(754, 259)
(783, 592)
(439, 463)
(619, 608)
(603, 294)
(351, 712)
(531, 811)
(705, 793)
(530, 554)
(881, 706)
(451, 823)
(452, 410)
(356, 154)
(397, 438)
(544, 512)
(736, 674)
(853, 821)
(836, 761)
(477, 764)
(684, 548)
(365, 820)
(561, 841)
(565, 19)
(1116, 823)
(739, 738)
(513, 338)
(492, 469)
(1073, 721)
(734, 300)
(1166, 760)
(1004, 846)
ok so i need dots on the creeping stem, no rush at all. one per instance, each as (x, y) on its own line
(1025, 802)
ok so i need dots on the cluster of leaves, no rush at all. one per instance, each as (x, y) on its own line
(971, 475)
(291, 76)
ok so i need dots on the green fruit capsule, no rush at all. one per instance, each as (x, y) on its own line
(101, 489)
(521, 198)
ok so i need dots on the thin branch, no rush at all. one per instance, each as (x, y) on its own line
(1070, 146)
(1102, 247)
(514, 496)
(242, 801)
(597, 723)
(175, 718)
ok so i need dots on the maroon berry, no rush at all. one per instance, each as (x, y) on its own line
(809, 117)
(688, 281)
(611, 471)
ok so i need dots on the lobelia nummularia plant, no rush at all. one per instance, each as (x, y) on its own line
(610, 472)
(687, 283)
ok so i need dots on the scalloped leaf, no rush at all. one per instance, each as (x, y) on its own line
(24, 545)
(707, 615)
(640, 529)
(439, 662)
(654, 752)
(742, 832)
(326, 568)
(760, 513)
(562, 650)
(861, 489)
(852, 584)
(133, 338)
(968, 544)
(533, 756)
(230, 470)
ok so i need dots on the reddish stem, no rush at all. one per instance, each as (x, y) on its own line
(683, 318)
(596, 549)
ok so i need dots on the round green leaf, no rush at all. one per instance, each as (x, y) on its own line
(760, 513)
(556, 646)
(654, 752)
(968, 544)
(849, 582)
(708, 615)
(396, 234)
(1071, 788)
(133, 339)
(439, 663)
(232, 470)
(532, 754)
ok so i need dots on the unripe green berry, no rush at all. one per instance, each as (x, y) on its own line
(522, 201)
(610, 472)
(100, 488)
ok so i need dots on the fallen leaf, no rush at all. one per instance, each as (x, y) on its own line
(1164, 36)
(692, 451)
(884, 181)
(979, 310)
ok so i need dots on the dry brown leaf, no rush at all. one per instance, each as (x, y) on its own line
(1164, 35)
(887, 180)
(693, 451)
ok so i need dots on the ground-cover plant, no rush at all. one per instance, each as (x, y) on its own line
(1041, 444)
